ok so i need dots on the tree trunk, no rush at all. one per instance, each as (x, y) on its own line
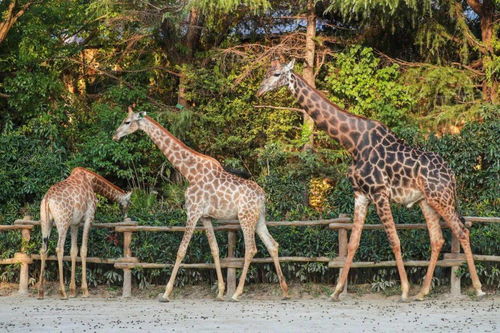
(10, 18)
(486, 12)
(487, 19)
(309, 65)
(193, 32)
(192, 42)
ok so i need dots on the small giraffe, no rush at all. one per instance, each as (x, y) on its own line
(212, 193)
(66, 204)
(384, 169)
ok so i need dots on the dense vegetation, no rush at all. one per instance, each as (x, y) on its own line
(68, 70)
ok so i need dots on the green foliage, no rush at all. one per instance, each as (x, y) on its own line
(388, 13)
(359, 83)
(26, 171)
(228, 6)
(443, 95)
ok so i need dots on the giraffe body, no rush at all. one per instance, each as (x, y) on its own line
(66, 204)
(212, 193)
(385, 169)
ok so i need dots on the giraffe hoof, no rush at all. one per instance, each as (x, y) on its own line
(334, 298)
(40, 297)
(419, 297)
(219, 298)
(234, 299)
(480, 293)
(404, 300)
(163, 299)
(63, 297)
(285, 297)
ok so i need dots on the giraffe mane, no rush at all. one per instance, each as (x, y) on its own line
(182, 144)
(101, 178)
(330, 102)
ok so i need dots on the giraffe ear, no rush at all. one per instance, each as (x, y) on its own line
(142, 114)
(290, 65)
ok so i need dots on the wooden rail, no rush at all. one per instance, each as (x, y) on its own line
(231, 263)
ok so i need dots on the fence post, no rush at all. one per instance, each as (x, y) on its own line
(127, 254)
(231, 272)
(342, 254)
(454, 279)
(24, 259)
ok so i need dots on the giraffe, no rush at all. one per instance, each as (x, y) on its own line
(66, 204)
(384, 169)
(212, 193)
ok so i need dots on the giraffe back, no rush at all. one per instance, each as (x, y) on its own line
(222, 195)
(71, 199)
(386, 163)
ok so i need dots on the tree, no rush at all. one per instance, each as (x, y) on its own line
(13, 12)
(309, 64)
(444, 32)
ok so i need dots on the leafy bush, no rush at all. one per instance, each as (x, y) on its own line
(357, 81)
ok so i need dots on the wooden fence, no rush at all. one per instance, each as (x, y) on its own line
(342, 224)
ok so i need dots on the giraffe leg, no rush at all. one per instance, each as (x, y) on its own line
(272, 248)
(361, 203)
(46, 226)
(384, 212)
(73, 253)
(214, 248)
(181, 253)
(462, 233)
(248, 223)
(437, 241)
(83, 253)
(60, 254)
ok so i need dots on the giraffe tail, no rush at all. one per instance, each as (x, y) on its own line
(467, 224)
(45, 222)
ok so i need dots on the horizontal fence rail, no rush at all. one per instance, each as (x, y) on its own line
(342, 225)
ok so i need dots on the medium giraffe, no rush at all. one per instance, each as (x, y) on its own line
(66, 204)
(384, 169)
(212, 193)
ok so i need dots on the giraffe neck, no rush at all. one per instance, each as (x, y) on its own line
(188, 162)
(344, 127)
(102, 186)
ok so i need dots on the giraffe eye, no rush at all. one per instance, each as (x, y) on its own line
(127, 122)
(276, 74)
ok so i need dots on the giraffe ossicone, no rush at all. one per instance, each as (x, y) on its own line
(66, 204)
(384, 169)
(212, 193)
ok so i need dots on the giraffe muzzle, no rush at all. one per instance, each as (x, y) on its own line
(260, 92)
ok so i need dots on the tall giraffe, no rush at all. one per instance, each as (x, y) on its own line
(384, 169)
(66, 204)
(212, 193)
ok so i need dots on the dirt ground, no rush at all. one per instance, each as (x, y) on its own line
(195, 309)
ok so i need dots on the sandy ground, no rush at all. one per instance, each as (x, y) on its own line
(364, 314)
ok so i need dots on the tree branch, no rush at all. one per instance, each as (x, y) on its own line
(11, 18)
(114, 77)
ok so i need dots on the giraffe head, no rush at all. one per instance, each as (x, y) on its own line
(277, 76)
(124, 202)
(130, 124)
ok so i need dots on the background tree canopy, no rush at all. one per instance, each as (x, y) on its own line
(68, 70)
